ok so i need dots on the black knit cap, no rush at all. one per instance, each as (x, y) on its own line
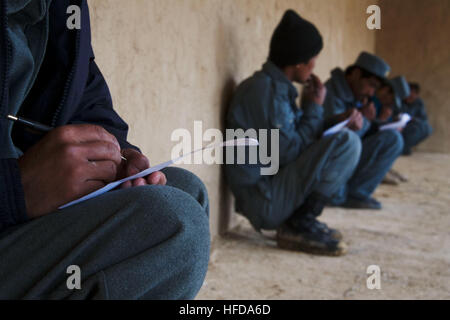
(294, 41)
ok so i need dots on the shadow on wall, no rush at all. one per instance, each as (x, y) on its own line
(226, 198)
(227, 62)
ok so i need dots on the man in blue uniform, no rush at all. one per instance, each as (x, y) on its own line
(419, 128)
(388, 103)
(312, 169)
(352, 89)
(389, 98)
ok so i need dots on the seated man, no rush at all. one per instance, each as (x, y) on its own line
(146, 242)
(388, 103)
(388, 99)
(312, 170)
(352, 90)
(419, 128)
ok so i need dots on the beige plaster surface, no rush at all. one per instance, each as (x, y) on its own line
(415, 40)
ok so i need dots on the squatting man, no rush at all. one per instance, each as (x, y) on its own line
(122, 240)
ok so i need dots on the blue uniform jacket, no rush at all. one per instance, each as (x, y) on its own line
(69, 89)
(340, 98)
(416, 110)
(267, 100)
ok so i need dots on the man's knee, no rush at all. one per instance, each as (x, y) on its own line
(170, 204)
(392, 140)
(350, 147)
(188, 182)
(187, 233)
(166, 205)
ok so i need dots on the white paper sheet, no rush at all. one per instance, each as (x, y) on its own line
(336, 128)
(404, 119)
(115, 184)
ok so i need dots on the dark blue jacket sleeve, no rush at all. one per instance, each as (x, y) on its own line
(12, 200)
(96, 107)
(310, 124)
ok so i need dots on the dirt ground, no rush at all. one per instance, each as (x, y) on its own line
(409, 240)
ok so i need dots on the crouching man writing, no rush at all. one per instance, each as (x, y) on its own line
(312, 169)
(148, 240)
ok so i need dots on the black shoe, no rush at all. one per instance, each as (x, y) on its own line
(355, 203)
(309, 221)
(333, 233)
(407, 152)
(313, 240)
(307, 215)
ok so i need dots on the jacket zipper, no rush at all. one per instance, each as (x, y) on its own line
(68, 84)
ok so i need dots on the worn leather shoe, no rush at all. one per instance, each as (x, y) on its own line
(333, 233)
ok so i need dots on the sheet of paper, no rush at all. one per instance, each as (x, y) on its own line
(336, 128)
(115, 184)
(400, 124)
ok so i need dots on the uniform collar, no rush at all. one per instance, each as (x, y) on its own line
(340, 84)
(276, 74)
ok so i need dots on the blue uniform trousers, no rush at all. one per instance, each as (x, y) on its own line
(324, 167)
(379, 152)
(414, 133)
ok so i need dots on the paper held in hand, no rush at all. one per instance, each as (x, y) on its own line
(115, 184)
(336, 128)
(400, 124)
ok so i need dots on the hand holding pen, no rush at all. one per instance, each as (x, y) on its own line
(37, 126)
(72, 161)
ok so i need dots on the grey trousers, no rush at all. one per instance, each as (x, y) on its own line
(148, 242)
(324, 167)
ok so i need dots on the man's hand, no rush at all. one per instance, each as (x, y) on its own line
(314, 91)
(356, 119)
(369, 111)
(68, 163)
(135, 163)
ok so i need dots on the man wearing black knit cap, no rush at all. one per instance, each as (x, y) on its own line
(311, 170)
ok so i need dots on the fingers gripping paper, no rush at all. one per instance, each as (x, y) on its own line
(400, 124)
(115, 184)
(335, 129)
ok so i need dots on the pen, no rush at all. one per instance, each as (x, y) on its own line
(37, 126)
(30, 123)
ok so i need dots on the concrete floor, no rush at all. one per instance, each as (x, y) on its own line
(409, 240)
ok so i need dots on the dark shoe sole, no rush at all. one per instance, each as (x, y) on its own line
(296, 246)
(360, 207)
(363, 205)
(390, 182)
